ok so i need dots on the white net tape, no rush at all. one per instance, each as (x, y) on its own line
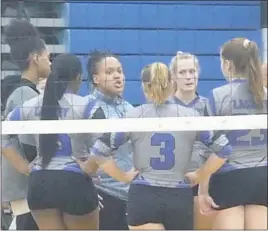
(136, 125)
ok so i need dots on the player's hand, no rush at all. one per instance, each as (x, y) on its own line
(26, 169)
(193, 177)
(95, 178)
(88, 166)
(207, 205)
(130, 176)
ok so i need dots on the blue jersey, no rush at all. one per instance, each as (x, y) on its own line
(114, 107)
(249, 146)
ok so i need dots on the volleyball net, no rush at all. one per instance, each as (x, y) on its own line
(135, 32)
(241, 122)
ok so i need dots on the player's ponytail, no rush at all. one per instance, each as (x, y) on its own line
(245, 60)
(64, 70)
(255, 75)
(157, 82)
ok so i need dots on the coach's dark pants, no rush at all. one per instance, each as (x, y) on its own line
(26, 222)
(113, 215)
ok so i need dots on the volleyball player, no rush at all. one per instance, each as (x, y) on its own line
(107, 77)
(160, 197)
(240, 186)
(32, 57)
(60, 195)
(185, 69)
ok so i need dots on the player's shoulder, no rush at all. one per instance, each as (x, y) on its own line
(124, 105)
(22, 90)
(202, 98)
(230, 87)
(92, 99)
(75, 100)
(135, 112)
(37, 100)
(89, 97)
(225, 87)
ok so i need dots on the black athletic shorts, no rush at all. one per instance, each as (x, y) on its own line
(70, 192)
(239, 187)
(113, 214)
(26, 222)
(172, 207)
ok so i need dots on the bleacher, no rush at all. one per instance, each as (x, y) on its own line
(142, 32)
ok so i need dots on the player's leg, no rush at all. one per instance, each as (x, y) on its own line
(148, 226)
(201, 222)
(256, 208)
(144, 207)
(229, 219)
(89, 221)
(255, 217)
(48, 219)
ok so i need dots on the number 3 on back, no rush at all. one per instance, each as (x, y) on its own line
(167, 151)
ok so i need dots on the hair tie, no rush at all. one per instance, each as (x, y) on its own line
(246, 43)
(179, 53)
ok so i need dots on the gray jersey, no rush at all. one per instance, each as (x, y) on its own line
(69, 145)
(199, 149)
(249, 146)
(14, 184)
(161, 157)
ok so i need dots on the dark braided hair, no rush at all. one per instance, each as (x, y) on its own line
(94, 60)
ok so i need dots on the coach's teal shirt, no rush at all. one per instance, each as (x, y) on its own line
(114, 108)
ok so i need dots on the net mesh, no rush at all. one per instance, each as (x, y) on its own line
(139, 32)
(82, 26)
(136, 125)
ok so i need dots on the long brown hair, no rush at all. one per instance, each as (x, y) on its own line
(245, 58)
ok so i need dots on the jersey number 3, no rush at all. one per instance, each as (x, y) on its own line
(166, 142)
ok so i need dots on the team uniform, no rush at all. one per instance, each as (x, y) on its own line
(62, 184)
(113, 192)
(199, 105)
(162, 159)
(15, 184)
(243, 179)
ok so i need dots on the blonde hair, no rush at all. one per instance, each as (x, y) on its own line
(157, 84)
(174, 64)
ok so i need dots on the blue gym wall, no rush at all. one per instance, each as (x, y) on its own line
(141, 32)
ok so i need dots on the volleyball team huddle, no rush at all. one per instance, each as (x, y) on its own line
(135, 180)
